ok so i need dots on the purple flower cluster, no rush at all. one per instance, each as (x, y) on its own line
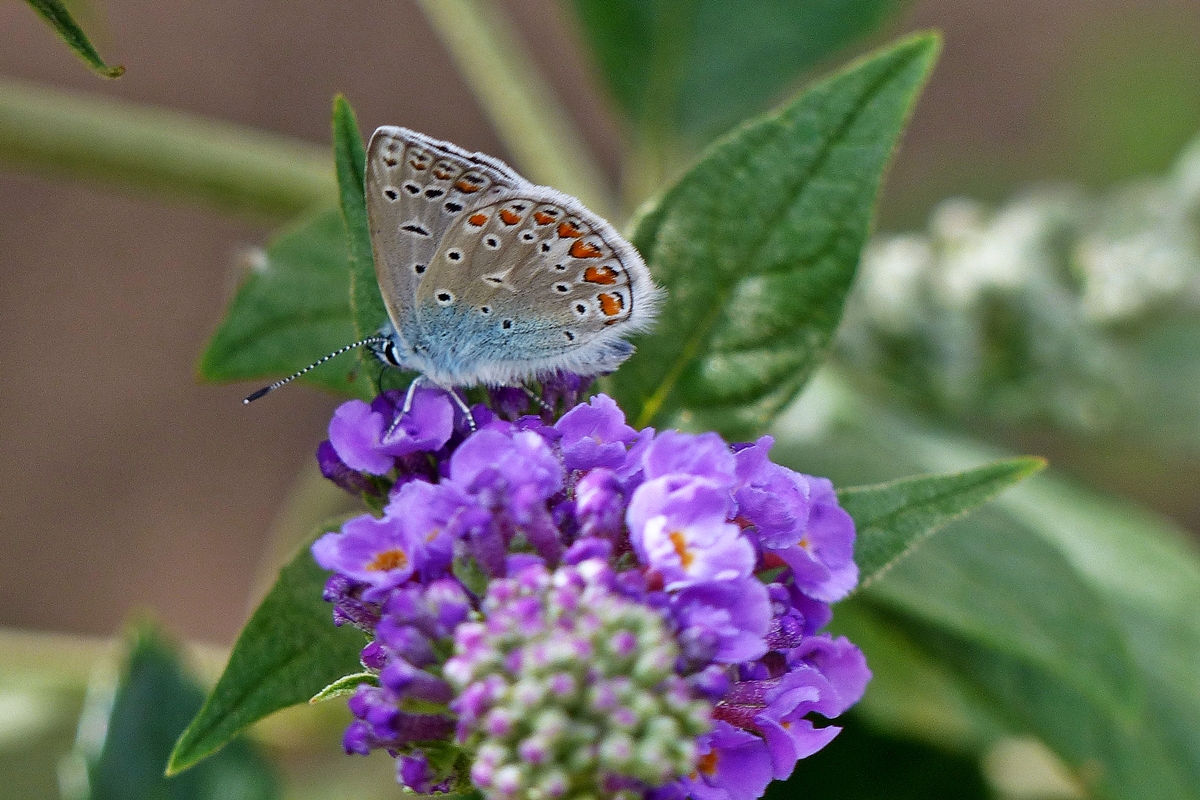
(579, 608)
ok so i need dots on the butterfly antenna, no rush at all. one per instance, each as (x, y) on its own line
(268, 389)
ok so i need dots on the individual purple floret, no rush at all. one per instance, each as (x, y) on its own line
(582, 609)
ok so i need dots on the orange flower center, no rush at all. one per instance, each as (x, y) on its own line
(387, 560)
(681, 549)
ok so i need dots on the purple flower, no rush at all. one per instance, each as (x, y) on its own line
(348, 605)
(822, 561)
(842, 663)
(678, 526)
(377, 552)
(428, 511)
(336, 470)
(600, 504)
(594, 434)
(734, 765)
(723, 621)
(522, 459)
(415, 772)
(705, 455)
(774, 499)
(359, 433)
(788, 734)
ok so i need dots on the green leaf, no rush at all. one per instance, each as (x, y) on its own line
(125, 750)
(345, 685)
(892, 518)
(1068, 615)
(351, 161)
(288, 652)
(292, 308)
(56, 14)
(1013, 594)
(757, 246)
(697, 66)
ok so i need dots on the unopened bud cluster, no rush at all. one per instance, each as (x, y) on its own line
(569, 689)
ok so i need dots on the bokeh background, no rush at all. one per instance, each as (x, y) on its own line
(124, 484)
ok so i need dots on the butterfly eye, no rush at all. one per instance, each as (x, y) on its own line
(390, 355)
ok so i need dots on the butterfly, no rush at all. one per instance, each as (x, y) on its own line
(489, 279)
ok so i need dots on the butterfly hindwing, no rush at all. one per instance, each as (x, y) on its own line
(534, 283)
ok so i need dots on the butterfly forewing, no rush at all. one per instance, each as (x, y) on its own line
(416, 187)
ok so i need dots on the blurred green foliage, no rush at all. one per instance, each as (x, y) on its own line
(127, 731)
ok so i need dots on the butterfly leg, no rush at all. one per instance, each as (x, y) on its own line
(408, 401)
(462, 405)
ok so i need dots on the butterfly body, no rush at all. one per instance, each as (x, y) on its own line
(490, 279)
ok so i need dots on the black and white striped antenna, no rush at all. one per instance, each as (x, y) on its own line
(268, 389)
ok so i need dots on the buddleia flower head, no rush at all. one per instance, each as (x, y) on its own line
(574, 608)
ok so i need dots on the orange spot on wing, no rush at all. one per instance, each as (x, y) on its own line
(611, 304)
(477, 220)
(388, 560)
(509, 217)
(466, 187)
(441, 174)
(602, 275)
(582, 249)
(567, 230)
(543, 218)
(417, 164)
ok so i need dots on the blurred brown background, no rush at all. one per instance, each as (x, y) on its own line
(126, 485)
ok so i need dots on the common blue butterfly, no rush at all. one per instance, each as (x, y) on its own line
(488, 278)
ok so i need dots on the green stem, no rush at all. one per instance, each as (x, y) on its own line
(534, 127)
(230, 167)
